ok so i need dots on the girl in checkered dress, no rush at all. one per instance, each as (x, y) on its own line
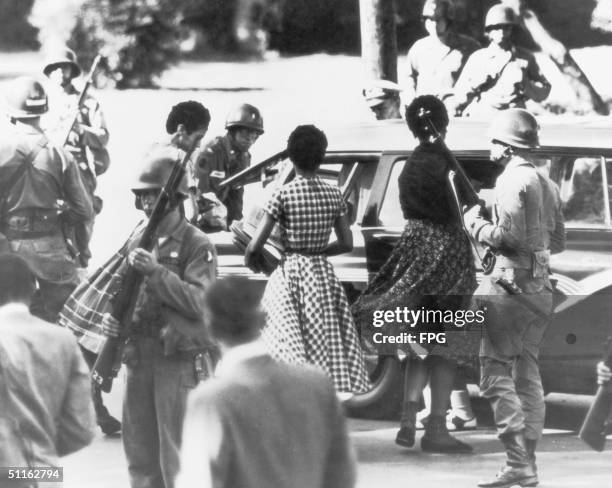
(308, 316)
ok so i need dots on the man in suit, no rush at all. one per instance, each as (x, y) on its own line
(260, 422)
(45, 406)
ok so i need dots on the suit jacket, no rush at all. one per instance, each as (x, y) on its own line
(266, 424)
(46, 409)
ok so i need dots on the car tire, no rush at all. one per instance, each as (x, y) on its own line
(383, 401)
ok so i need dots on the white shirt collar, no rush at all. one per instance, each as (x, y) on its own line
(240, 354)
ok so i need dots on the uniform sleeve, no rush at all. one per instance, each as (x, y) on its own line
(186, 295)
(465, 87)
(95, 130)
(274, 206)
(76, 425)
(412, 74)
(340, 471)
(204, 460)
(80, 207)
(557, 237)
(209, 170)
(510, 228)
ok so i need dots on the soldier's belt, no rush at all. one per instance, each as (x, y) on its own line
(31, 224)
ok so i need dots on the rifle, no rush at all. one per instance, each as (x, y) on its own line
(109, 359)
(593, 428)
(82, 95)
(488, 260)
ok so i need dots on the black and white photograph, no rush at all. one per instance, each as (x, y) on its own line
(305, 243)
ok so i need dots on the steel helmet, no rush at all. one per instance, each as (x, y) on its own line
(500, 15)
(60, 57)
(515, 127)
(247, 116)
(25, 98)
(437, 9)
(156, 169)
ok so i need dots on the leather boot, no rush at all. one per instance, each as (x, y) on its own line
(406, 434)
(437, 438)
(518, 470)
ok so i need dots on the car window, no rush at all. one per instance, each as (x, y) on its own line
(390, 214)
(584, 191)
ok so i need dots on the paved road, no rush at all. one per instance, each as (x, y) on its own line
(563, 462)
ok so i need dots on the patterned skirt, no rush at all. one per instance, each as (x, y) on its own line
(309, 321)
(431, 267)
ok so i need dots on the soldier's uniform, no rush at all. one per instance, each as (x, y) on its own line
(434, 66)
(527, 228)
(170, 334)
(88, 147)
(43, 186)
(434, 62)
(496, 78)
(221, 158)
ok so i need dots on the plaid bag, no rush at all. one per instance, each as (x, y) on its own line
(82, 313)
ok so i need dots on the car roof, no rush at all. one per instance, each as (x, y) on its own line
(464, 134)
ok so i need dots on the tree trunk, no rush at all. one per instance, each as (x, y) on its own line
(588, 99)
(378, 39)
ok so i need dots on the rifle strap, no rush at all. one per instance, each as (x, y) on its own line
(21, 169)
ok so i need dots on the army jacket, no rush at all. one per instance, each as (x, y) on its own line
(216, 162)
(52, 178)
(171, 300)
(496, 79)
(434, 66)
(528, 219)
(87, 146)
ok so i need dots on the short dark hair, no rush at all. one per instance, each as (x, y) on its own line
(436, 111)
(234, 311)
(191, 114)
(18, 282)
(306, 147)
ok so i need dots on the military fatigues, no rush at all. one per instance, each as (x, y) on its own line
(218, 161)
(160, 358)
(496, 79)
(30, 216)
(88, 149)
(434, 66)
(528, 227)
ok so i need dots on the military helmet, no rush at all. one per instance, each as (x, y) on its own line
(156, 169)
(439, 9)
(246, 116)
(60, 57)
(380, 90)
(25, 98)
(500, 15)
(515, 127)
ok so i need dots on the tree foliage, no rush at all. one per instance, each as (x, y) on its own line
(140, 38)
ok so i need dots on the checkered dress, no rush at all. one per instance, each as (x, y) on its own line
(308, 316)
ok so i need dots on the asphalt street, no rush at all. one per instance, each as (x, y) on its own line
(563, 461)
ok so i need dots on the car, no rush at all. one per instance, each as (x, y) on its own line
(365, 161)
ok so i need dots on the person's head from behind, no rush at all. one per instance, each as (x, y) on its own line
(17, 282)
(187, 122)
(233, 311)
(422, 113)
(306, 147)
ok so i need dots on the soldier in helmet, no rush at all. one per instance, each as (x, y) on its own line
(527, 228)
(501, 75)
(435, 61)
(168, 318)
(89, 135)
(40, 186)
(229, 154)
(383, 98)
